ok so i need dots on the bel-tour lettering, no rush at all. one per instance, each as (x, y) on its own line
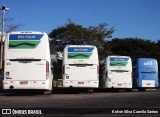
(80, 49)
(119, 59)
(26, 36)
(149, 63)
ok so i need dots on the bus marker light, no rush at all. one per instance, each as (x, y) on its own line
(80, 82)
(47, 69)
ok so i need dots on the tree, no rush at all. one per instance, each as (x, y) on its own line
(74, 34)
(9, 27)
(12, 27)
(133, 47)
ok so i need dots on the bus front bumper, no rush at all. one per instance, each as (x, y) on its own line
(120, 85)
(81, 84)
(13, 85)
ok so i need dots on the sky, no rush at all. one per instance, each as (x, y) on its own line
(131, 18)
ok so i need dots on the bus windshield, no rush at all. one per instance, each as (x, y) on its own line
(119, 63)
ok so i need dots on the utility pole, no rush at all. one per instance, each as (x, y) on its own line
(3, 8)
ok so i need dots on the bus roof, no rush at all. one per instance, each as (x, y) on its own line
(26, 32)
(146, 59)
(118, 56)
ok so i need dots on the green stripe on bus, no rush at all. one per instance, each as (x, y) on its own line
(79, 55)
(118, 63)
(23, 44)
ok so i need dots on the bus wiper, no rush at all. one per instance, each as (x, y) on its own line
(149, 72)
(80, 65)
(25, 60)
(119, 71)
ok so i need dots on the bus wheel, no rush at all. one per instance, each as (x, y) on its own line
(142, 90)
(49, 92)
(90, 90)
(128, 90)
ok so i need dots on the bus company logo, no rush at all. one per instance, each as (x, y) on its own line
(81, 50)
(149, 63)
(26, 36)
(119, 59)
(6, 111)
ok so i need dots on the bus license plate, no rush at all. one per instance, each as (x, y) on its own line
(23, 82)
(119, 84)
(80, 82)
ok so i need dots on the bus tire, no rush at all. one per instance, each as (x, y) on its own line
(49, 92)
(142, 90)
(90, 90)
(128, 90)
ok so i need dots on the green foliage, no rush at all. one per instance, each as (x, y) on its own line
(73, 34)
(133, 47)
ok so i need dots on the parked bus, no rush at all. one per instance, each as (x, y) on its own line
(80, 67)
(27, 61)
(116, 72)
(145, 73)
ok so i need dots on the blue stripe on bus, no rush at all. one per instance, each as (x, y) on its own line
(25, 36)
(118, 59)
(80, 49)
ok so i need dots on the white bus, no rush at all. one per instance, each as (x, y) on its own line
(116, 72)
(27, 61)
(80, 67)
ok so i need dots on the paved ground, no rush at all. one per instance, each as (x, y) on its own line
(99, 101)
